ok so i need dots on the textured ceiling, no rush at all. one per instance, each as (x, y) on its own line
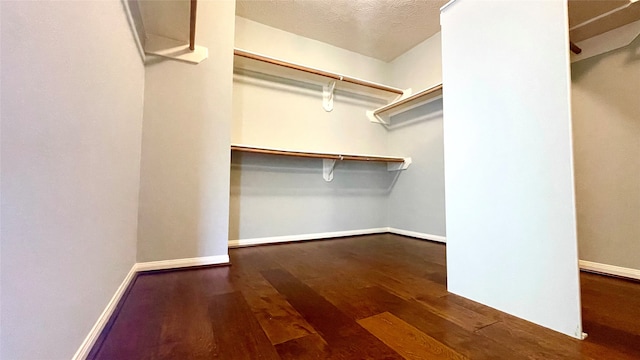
(382, 29)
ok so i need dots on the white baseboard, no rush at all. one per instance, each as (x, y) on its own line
(610, 269)
(103, 319)
(304, 237)
(334, 234)
(438, 238)
(180, 263)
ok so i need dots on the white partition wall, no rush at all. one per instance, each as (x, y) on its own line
(510, 208)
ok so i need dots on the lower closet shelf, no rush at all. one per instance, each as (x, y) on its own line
(394, 163)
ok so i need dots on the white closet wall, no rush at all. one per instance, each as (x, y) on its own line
(278, 112)
(184, 186)
(274, 196)
(511, 225)
(282, 113)
(266, 40)
(416, 203)
(72, 100)
(606, 132)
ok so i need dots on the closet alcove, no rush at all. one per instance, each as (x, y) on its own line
(337, 170)
(605, 83)
(281, 108)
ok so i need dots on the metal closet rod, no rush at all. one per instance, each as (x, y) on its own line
(348, 79)
(192, 25)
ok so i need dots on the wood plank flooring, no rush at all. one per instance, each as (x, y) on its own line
(368, 297)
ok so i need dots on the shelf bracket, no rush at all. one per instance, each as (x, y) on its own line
(327, 96)
(327, 169)
(375, 118)
(397, 166)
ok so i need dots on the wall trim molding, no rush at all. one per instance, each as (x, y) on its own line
(108, 312)
(609, 269)
(103, 319)
(304, 237)
(181, 263)
(419, 235)
(333, 234)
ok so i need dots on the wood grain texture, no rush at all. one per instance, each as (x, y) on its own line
(186, 331)
(232, 341)
(308, 347)
(136, 331)
(367, 297)
(279, 320)
(408, 341)
(346, 339)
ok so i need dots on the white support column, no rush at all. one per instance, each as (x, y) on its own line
(510, 211)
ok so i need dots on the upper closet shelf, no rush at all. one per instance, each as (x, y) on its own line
(383, 114)
(590, 18)
(167, 29)
(248, 60)
(329, 159)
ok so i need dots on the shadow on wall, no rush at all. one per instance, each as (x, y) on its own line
(425, 112)
(617, 95)
(267, 175)
(632, 50)
(287, 85)
(178, 179)
(282, 181)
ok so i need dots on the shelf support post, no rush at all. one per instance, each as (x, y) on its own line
(375, 118)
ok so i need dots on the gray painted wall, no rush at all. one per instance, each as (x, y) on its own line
(184, 185)
(278, 196)
(416, 202)
(281, 113)
(606, 134)
(72, 101)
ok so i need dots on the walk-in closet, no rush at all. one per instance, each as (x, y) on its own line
(323, 140)
(329, 179)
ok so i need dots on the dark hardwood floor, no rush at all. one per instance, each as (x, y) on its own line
(368, 297)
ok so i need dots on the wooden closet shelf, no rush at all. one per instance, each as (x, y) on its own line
(317, 155)
(329, 160)
(248, 60)
(382, 114)
(590, 18)
(161, 18)
(417, 98)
